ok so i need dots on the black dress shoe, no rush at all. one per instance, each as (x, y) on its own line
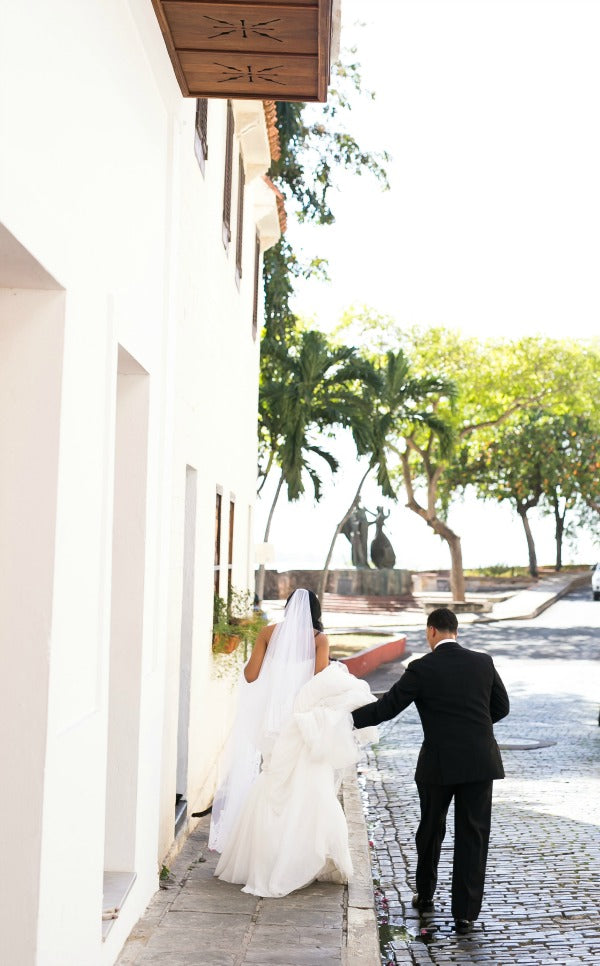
(423, 905)
(463, 926)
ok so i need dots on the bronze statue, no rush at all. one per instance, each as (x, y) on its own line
(356, 529)
(382, 552)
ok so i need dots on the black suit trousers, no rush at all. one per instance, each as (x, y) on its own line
(472, 818)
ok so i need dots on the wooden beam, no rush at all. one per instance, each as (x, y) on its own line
(170, 45)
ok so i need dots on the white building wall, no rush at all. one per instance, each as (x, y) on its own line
(215, 435)
(31, 337)
(124, 344)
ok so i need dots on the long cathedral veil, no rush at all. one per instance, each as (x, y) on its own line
(263, 707)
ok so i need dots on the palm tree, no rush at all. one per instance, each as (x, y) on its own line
(393, 399)
(306, 388)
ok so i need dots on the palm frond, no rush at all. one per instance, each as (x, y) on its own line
(331, 461)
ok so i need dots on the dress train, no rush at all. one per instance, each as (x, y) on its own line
(292, 829)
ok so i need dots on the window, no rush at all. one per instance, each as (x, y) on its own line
(201, 137)
(228, 177)
(239, 241)
(230, 549)
(218, 508)
(256, 285)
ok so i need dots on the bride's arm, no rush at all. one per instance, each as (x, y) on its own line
(252, 669)
(321, 652)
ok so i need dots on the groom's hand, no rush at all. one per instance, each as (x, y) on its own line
(400, 695)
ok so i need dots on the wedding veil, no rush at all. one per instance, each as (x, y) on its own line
(263, 707)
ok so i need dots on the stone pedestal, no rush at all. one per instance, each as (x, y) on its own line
(346, 583)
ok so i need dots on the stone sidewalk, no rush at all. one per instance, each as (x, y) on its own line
(201, 921)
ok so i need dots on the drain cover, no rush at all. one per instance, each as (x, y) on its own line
(524, 745)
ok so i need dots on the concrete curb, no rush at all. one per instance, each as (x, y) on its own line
(362, 934)
(579, 580)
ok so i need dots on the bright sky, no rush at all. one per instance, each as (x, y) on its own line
(489, 109)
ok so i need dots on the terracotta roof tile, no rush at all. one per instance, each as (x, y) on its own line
(270, 110)
(280, 203)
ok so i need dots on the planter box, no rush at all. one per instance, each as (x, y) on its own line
(227, 645)
(368, 660)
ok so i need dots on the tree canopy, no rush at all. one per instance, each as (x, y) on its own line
(516, 403)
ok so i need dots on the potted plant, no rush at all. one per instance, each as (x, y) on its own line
(235, 621)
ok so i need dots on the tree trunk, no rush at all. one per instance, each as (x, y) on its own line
(533, 564)
(457, 576)
(338, 530)
(559, 530)
(260, 579)
(265, 475)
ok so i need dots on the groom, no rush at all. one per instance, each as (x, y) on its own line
(458, 694)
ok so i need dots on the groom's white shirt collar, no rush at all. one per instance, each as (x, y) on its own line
(447, 640)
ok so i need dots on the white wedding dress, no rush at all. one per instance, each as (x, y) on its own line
(291, 829)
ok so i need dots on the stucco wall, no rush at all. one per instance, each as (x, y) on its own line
(100, 188)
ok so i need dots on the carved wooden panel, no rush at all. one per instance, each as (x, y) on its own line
(266, 76)
(278, 50)
(208, 26)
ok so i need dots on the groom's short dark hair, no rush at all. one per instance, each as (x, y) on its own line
(443, 619)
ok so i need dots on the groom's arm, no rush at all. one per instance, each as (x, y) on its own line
(400, 695)
(499, 703)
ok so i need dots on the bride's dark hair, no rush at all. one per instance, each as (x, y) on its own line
(315, 609)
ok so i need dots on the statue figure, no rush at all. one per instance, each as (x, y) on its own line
(382, 552)
(356, 529)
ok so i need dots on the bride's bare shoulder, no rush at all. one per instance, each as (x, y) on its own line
(321, 651)
(267, 632)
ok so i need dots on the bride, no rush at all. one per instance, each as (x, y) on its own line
(276, 817)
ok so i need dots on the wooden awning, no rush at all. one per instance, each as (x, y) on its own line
(277, 50)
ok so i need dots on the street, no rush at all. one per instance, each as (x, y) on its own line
(542, 898)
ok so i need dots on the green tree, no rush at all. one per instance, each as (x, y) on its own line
(586, 443)
(395, 401)
(545, 454)
(495, 379)
(480, 402)
(509, 467)
(308, 387)
(500, 383)
(571, 474)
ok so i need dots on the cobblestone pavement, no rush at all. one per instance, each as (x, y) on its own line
(542, 898)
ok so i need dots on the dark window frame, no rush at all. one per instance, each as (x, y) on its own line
(230, 544)
(228, 177)
(218, 533)
(201, 132)
(239, 241)
(257, 279)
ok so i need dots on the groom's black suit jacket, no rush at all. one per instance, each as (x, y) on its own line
(458, 694)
